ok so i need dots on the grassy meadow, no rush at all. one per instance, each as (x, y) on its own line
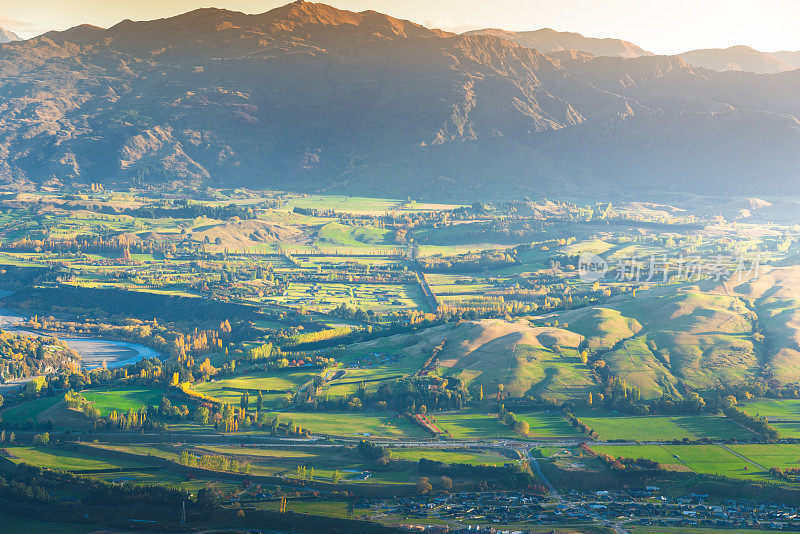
(55, 458)
(663, 428)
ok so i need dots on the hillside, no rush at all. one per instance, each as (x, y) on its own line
(659, 341)
(6, 36)
(309, 97)
(526, 360)
(774, 297)
(792, 58)
(691, 335)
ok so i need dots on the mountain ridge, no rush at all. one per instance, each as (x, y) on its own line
(738, 58)
(548, 40)
(313, 98)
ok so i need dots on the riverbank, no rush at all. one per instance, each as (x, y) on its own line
(93, 351)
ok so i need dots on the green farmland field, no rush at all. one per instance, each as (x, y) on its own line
(473, 425)
(783, 414)
(355, 424)
(774, 409)
(690, 530)
(29, 410)
(663, 428)
(373, 378)
(229, 390)
(451, 456)
(547, 425)
(657, 453)
(53, 458)
(713, 459)
(326, 296)
(787, 430)
(780, 455)
(18, 525)
(122, 399)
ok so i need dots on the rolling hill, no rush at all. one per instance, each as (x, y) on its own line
(526, 360)
(662, 341)
(689, 335)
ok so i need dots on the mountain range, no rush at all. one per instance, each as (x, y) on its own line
(743, 58)
(735, 58)
(310, 97)
(547, 40)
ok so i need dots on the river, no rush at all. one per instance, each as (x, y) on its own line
(93, 351)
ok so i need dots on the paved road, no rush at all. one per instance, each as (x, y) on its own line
(550, 488)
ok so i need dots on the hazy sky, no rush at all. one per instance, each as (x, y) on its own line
(662, 26)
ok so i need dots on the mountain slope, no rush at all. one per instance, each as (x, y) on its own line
(310, 97)
(304, 90)
(547, 40)
(791, 58)
(6, 36)
(739, 58)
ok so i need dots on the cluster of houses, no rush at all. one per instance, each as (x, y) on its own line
(486, 512)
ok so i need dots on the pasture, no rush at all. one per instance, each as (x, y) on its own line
(273, 384)
(10, 524)
(787, 430)
(325, 462)
(548, 425)
(657, 453)
(662, 427)
(355, 424)
(372, 379)
(690, 530)
(749, 462)
(159, 451)
(473, 425)
(785, 456)
(340, 235)
(55, 458)
(774, 410)
(326, 296)
(30, 410)
(122, 399)
(451, 456)
(321, 507)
